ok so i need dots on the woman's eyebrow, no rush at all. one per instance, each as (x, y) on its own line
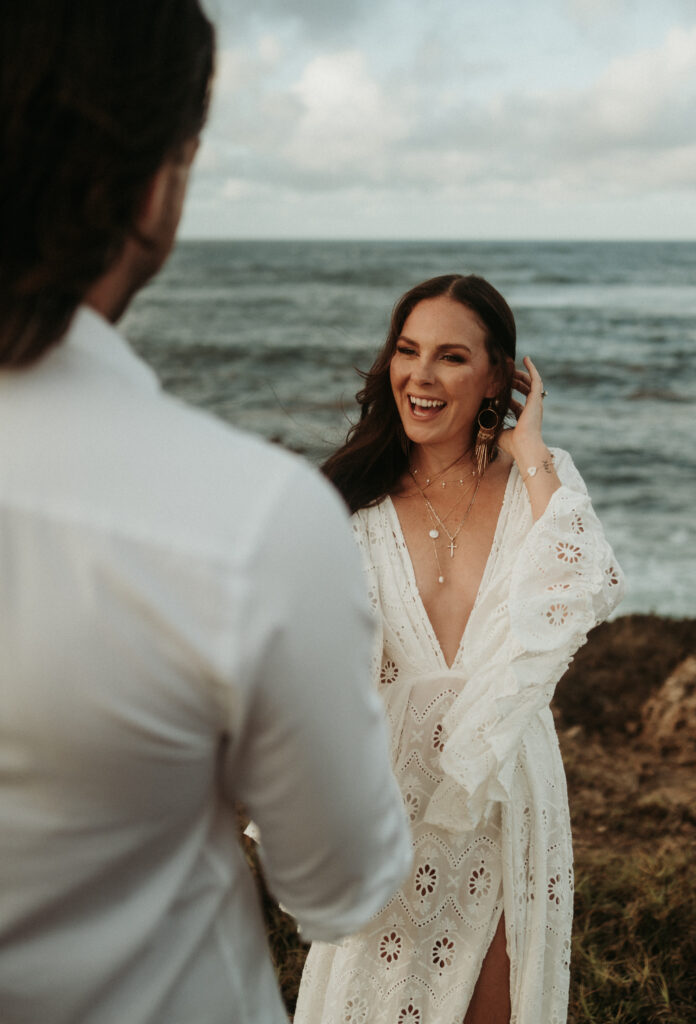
(440, 348)
(453, 344)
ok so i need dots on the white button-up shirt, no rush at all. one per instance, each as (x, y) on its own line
(182, 624)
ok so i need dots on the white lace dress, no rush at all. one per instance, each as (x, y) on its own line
(475, 751)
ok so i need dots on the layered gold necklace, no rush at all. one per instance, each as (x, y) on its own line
(439, 522)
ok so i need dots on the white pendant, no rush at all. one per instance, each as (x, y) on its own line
(434, 534)
(441, 579)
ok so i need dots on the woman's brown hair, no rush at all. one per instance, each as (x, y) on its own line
(375, 454)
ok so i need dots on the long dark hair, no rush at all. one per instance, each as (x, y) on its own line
(375, 454)
(94, 98)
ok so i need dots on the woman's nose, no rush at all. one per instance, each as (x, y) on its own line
(423, 371)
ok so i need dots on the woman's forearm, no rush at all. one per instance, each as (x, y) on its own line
(535, 463)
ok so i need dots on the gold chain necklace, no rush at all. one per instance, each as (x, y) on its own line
(431, 479)
(434, 533)
(464, 494)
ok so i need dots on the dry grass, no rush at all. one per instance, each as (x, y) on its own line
(634, 933)
(634, 939)
(287, 951)
(634, 830)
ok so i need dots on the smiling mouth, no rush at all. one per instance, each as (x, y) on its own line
(425, 403)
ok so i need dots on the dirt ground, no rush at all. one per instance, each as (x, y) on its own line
(627, 785)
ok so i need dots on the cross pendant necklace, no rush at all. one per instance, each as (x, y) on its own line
(434, 533)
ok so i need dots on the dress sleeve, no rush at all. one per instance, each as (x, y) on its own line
(563, 579)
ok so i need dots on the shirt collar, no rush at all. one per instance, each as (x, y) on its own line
(90, 334)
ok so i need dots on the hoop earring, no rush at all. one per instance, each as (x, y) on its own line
(484, 438)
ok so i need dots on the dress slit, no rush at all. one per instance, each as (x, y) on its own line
(495, 922)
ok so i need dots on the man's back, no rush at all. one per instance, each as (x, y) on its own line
(170, 644)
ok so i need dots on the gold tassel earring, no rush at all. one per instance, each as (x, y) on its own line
(488, 421)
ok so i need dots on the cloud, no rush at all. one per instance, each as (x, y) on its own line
(587, 12)
(317, 19)
(631, 128)
(638, 95)
(347, 123)
(290, 126)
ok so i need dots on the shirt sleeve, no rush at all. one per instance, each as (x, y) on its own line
(312, 766)
(563, 580)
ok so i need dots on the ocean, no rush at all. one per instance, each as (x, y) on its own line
(269, 335)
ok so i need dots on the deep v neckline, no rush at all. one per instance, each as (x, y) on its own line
(487, 569)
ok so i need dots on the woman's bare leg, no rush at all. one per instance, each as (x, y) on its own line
(490, 1003)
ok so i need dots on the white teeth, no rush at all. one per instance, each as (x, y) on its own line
(426, 403)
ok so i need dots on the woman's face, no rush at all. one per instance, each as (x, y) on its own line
(440, 373)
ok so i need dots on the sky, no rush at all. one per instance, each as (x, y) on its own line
(452, 119)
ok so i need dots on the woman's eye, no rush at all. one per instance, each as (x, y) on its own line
(405, 350)
(452, 358)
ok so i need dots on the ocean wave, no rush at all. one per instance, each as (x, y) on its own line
(658, 395)
(268, 336)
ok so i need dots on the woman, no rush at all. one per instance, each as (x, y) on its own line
(487, 567)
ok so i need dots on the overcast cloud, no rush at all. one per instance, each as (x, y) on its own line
(541, 118)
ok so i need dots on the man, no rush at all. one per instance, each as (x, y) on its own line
(182, 622)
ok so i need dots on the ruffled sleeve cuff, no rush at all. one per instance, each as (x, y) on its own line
(564, 580)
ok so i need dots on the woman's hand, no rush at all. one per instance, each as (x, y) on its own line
(524, 439)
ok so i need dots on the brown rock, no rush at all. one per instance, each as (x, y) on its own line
(623, 664)
(669, 716)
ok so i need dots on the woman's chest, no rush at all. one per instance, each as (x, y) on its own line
(449, 555)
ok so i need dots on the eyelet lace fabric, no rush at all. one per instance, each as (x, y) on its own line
(476, 756)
